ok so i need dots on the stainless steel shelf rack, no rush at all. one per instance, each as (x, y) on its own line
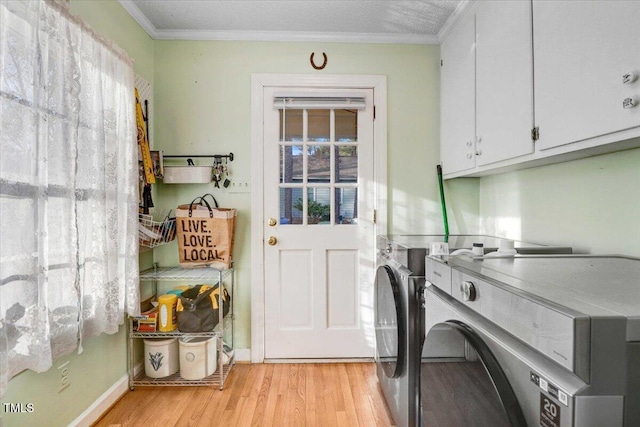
(223, 330)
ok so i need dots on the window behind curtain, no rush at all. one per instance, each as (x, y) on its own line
(68, 176)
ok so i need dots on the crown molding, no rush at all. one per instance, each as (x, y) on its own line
(296, 36)
(274, 36)
(463, 7)
(134, 11)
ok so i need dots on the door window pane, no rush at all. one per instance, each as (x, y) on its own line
(318, 205)
(346, 205)
(291, 163)
(291, 123)
(319, 125)
(290, 206)
(319, 163)
(326, 157)
(346, 163)
(346, 125)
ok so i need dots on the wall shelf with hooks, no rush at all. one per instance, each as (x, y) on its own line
(216, 157)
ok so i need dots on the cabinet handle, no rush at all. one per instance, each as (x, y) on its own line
(629, 78)
(628, 103)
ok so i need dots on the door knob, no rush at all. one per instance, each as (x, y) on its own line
(272, 222)
(272, 241)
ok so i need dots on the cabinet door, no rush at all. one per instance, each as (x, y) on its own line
(504, 81)
(582, 49)
(457, 97)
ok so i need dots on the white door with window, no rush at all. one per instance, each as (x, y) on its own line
(319, 238)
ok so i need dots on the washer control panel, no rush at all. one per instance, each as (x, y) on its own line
(547, 330)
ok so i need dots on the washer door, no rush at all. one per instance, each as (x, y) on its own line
(467, 389)
(391, 335)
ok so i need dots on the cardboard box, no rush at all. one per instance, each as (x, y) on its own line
(147, 321)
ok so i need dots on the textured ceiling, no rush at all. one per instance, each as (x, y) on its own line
(417, 21)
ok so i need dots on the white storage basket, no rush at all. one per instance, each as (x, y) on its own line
(187, 174)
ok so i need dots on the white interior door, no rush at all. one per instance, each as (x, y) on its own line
(318, 226)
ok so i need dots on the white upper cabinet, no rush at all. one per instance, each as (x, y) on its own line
(582, 50)
(568, 69)
(457, 97)
(504, 81)
(487, 87)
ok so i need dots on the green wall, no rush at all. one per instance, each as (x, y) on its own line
(591, 204)
(103, 361)
(203, 106)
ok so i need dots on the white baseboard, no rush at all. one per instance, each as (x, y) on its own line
(104, 402)
(243, 355)
(115, 392)
(350, 360)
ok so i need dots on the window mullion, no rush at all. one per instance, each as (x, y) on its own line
(332, 166)
(305, 166)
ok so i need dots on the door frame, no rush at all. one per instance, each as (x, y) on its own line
(334, 81)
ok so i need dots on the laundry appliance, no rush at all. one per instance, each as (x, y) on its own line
(399, 323)
(539, 341)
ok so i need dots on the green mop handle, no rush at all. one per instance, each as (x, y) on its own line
(443, 204)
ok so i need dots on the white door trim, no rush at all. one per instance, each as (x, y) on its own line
(258, 83)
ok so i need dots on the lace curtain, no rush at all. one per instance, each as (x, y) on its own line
(68, 186)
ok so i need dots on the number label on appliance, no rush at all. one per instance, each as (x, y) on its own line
(549, 412)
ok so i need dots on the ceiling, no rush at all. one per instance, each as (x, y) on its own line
(361, 21)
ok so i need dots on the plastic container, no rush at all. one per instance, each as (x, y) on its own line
(176, 292)
(478, 249)
(198, 357)
(505, 249)
(439, 248)
(161, 357)
(168, 317)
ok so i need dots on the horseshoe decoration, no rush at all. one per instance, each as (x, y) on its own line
(318, 67)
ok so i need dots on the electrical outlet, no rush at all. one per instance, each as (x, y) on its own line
(64, 376)
(240, 184)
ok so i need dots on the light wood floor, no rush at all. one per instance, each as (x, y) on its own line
(323, 395)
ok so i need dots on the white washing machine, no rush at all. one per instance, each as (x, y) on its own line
(550, 341)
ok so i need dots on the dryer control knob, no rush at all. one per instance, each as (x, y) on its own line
(468, 291)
